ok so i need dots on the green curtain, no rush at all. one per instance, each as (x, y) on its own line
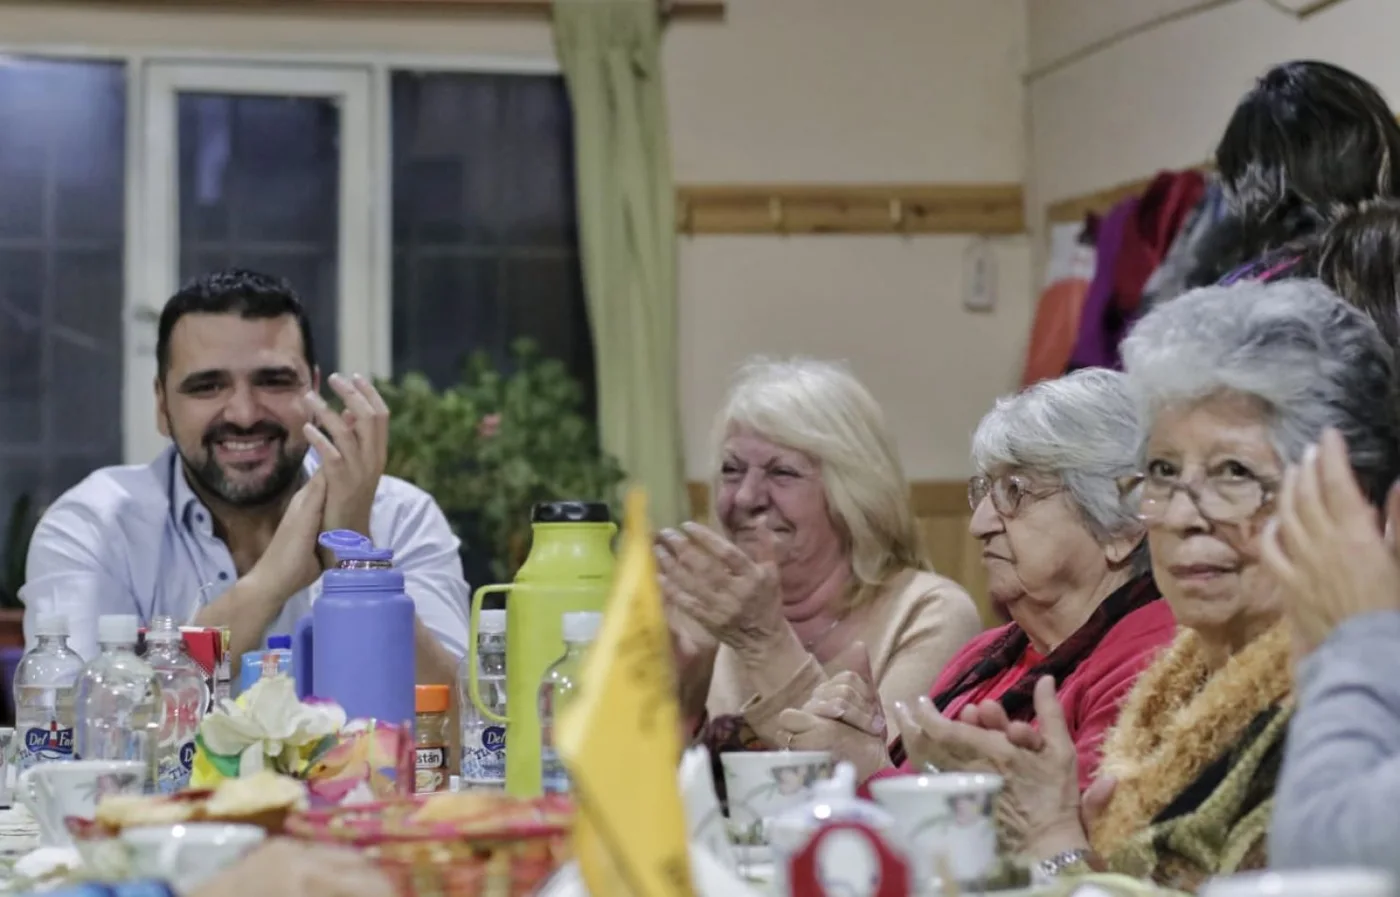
(610, 53)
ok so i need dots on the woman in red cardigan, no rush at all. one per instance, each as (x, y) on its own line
(1066, 559)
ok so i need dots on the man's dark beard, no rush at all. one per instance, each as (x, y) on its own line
(213, 478)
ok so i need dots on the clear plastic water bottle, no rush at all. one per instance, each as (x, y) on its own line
(44, 684)
(117, 702)
(559, 686)
(484, 740)
(184, 694)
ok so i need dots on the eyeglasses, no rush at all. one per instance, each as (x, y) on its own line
(1008, 493)
(1221, 498)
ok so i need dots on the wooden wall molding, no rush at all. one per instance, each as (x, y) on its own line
(990, 209)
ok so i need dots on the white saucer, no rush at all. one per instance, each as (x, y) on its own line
(753, 855)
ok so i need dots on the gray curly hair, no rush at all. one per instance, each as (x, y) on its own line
(1081, 429)
(1312, 360)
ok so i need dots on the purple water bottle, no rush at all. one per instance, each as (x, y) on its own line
(356, 645)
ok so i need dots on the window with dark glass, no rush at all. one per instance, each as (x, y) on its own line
(62, 225)
(260, 188)
(485, 231)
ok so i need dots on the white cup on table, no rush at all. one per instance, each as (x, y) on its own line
(759, 785)
(52, 792)
(946, 821)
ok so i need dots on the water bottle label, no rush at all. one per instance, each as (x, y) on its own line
(173, 772)
(554, 778)
(484, 755)
(45, 743)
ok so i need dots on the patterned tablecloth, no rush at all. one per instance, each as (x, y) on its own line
(19, 836)
(19, 833)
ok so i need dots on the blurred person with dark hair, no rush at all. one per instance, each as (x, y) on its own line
(1359, 258)
(221, 528)
(1308, 142)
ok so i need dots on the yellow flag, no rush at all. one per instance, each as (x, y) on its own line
(620, 737)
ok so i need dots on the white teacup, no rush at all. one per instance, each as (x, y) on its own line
(762, 784)
(54, 791)
(1303, 883)
(944, 819)
(187, 855)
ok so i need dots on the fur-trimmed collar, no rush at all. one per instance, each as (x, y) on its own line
(1178, 719)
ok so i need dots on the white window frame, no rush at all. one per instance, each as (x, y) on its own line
(158, 273)
(365, 317)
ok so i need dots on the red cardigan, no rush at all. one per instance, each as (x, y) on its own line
(1092, 694)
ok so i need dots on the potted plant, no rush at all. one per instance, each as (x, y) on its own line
(496, 443)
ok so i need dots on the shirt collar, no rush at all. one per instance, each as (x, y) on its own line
(185, 506)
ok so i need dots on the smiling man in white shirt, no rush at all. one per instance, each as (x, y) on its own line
(221, 529)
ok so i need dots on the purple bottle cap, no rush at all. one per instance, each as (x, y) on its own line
(279, 641)
(348, 545)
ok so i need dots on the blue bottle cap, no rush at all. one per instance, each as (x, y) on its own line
(279, 641)
(348, 545)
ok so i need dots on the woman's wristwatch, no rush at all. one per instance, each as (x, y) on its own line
(1047, 870)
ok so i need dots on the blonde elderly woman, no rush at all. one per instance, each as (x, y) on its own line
(1063, 556)
(816, 549)
(1235, 384)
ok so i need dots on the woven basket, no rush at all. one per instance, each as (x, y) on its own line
(509, 849)
(271, 820)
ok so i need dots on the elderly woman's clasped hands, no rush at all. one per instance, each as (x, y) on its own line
(710, 581)
(1040, 809)
(715, 594)
(844, 715)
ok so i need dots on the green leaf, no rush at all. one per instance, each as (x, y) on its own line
(225, 764)
(544, 447)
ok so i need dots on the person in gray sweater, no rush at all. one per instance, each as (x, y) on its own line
(1338, 797)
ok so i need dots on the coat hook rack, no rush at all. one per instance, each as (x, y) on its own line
(988, 209)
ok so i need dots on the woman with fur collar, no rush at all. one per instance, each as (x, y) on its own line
(1235, 384)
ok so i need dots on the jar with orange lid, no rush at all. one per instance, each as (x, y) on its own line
(430, 767)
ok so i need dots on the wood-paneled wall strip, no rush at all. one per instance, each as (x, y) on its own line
(978, 209)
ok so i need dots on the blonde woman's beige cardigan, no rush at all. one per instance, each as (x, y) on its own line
(911, 630)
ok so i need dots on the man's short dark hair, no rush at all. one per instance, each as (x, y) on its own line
(248, 294)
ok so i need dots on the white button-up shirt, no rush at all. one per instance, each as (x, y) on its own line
(137, 540)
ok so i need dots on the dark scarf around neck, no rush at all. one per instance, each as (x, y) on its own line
(1002, 654)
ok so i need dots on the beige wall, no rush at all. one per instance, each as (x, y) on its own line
(837, 91)
(1161, 99)
(782, 90)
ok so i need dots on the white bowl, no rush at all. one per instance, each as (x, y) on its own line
(190, 853)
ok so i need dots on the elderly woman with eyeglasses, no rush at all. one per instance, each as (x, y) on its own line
(1066, 561)
(1234, 383)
